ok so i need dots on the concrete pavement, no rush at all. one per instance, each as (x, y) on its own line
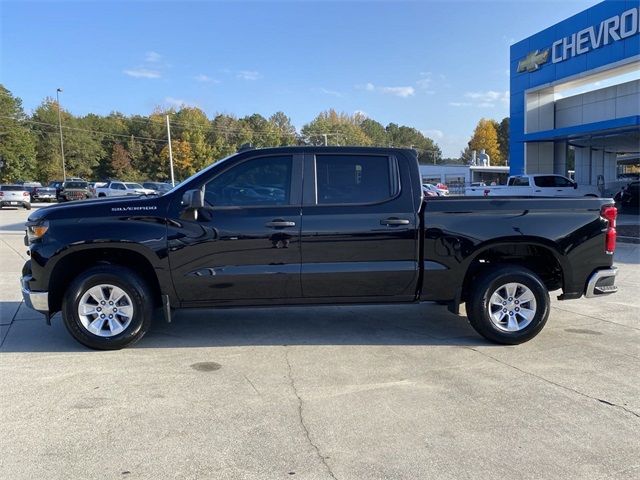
(319, 393)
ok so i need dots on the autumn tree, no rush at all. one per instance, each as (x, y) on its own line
(503, 138)
(183, 159)
(485, 137)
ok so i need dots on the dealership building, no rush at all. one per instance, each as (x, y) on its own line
(575, 97)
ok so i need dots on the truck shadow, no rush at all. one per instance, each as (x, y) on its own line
(426, 324)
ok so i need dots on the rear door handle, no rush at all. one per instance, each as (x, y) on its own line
(279, 224)
(394, 221)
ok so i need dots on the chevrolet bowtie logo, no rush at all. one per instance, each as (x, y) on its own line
(532, 62)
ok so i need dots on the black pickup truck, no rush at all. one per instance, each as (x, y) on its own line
(313, 225)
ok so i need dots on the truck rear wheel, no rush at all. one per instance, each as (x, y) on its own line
(107, 307)
(508, 305)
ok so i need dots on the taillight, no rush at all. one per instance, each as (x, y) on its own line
(1, 194)
(610, 213)
(25, 194)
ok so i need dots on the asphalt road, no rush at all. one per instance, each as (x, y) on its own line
(384, 392)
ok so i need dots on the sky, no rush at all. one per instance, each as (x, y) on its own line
(438, 66)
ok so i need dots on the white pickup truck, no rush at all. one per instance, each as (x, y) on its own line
(535, 186)
(118, 189)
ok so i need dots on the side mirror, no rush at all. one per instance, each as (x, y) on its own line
(193, 199)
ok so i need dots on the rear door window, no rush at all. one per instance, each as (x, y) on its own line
(355, 179)
(519, 182)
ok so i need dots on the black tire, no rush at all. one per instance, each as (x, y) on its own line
(27, 206)
(137, 290)
(490, 282)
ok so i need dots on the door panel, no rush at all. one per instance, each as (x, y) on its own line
(245, 245)
(359, 250)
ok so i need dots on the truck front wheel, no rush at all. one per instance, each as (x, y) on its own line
(107, 307)
(508, 305)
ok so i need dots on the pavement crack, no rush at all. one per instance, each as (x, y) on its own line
(252, 385)
(559, 385)
(14, 250)
(6, 335)
(305, 429)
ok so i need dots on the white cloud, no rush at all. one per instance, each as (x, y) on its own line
(205, 79)
(434, 133)
(425, 80)
(327, 91)
(178, 102)
(142, 73)
(362, 113)
(398, 91)
(248, 75)
(403, 92)
(484, 99)
(152, 57)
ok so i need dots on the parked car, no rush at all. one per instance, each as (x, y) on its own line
(74, 190)
(440, 192)
(15, 196)
(628, 198)
(428, 192)
(118, 189)
(535, 186)
(355, 231)
(43, 194)
(158, 187)
(57, 184)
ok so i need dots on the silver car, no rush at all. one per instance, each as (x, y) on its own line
(15, 196)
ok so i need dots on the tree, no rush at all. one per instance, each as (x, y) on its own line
(17, 143)
(339, 128)
(375, 131)
(183, 159)
(121, 163)
(485, 137)
(286, 131)
(503, 138)
(408, 137)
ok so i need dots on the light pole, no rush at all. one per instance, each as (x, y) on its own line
(173, 183)
(64, 170)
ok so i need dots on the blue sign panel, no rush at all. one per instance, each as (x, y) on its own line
(603, 34)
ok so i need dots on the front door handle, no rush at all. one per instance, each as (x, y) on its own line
(279, 224)
(394, 221)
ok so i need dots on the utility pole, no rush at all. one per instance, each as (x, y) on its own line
(173, 182)
(64, 170)
(325, 139)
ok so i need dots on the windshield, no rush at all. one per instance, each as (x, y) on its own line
(133, 185)
(12, 188)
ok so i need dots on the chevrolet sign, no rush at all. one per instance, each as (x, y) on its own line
(609, 31)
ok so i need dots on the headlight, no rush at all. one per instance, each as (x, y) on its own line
(35, 232)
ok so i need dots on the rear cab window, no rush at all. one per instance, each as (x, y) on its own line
(519, 182)
(356, 179)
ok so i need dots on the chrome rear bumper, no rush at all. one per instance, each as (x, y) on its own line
(601, 282)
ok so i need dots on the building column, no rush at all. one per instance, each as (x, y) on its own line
(560, 158)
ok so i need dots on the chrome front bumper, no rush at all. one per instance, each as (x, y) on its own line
(38, 301)
(601, 282)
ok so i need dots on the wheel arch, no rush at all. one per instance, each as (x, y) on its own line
(80, 258)
(539, 255)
